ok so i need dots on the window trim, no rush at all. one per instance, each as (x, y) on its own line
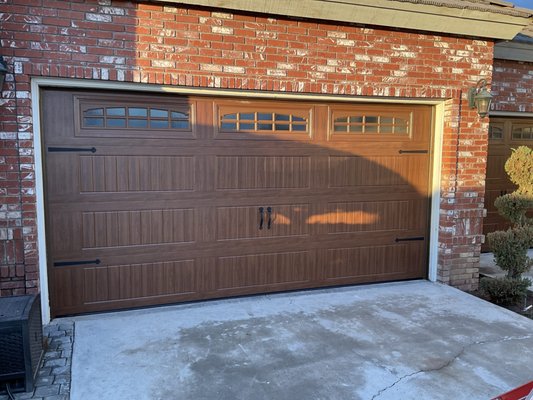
(350, 136)
(84, 103)
(229, 107)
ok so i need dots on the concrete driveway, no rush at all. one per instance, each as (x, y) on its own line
(411, 340)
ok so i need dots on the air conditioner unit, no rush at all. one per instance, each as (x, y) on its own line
(21, 342)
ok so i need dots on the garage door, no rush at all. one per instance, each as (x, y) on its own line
(504, 134)
(161, 199)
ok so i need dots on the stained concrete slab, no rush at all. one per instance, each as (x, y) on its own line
(410, 340)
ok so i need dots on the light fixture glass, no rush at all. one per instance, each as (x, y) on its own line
(480, 98)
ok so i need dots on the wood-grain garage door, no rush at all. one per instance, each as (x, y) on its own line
(505, 134)
(160, 199)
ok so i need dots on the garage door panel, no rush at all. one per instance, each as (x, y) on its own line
(386, 262)
(391, 215)
(354, 171)
(138, 227)
(66, 237)
(260, 270)
(234, 223)
(63, 175)
(131, 173)
(135, 281)
(114, 285)
(262, 172)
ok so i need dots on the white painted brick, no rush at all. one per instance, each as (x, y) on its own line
(399, 47)
(66, 48)
(8, 135)
(325, 68)
(167, 33)
(381, 59)
(234, 70)
(17, 67)
(345, 70)
(25, 135)
(263, 34)
(222, 29)
(211, 67)
(286, 66)
(276, 72)
(222, 15)
(98, 17)
(457, 71)
(317, 75)
(361, 57)
(112, 60)
(33, 19)
(399, 73)
(346, 42)
(112, 10)
(338, 35)
(163, 63)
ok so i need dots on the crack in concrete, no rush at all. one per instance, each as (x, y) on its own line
(449, 362)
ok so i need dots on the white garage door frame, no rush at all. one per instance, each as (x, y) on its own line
(40, 82)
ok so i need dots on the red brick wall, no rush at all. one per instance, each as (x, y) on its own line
(512, 86)
(131, 42)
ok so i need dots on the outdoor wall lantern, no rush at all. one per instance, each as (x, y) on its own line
(3, 72)
(479, 97)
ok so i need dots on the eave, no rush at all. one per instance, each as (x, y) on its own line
(387, 13)
(514, 50)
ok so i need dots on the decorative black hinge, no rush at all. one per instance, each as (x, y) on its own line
(81, 262)
(71, 149)
(412, 151)
(409, 239)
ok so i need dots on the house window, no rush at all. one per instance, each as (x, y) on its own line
(373, 124)
(262, 122)
(522, 132)
(496, 132)
(135, 117)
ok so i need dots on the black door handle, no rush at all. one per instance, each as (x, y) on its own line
(261, 211)
(269, 223)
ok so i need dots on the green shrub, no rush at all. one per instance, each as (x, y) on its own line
(519, 167)
(514, 207)
(505, 291)
(510, 249)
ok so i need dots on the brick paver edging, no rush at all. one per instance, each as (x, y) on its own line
(53, 377)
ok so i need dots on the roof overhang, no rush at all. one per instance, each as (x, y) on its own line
(519, 49)
(389, 13)
(515, 51)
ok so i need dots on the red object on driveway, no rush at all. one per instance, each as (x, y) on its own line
(524, 392)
